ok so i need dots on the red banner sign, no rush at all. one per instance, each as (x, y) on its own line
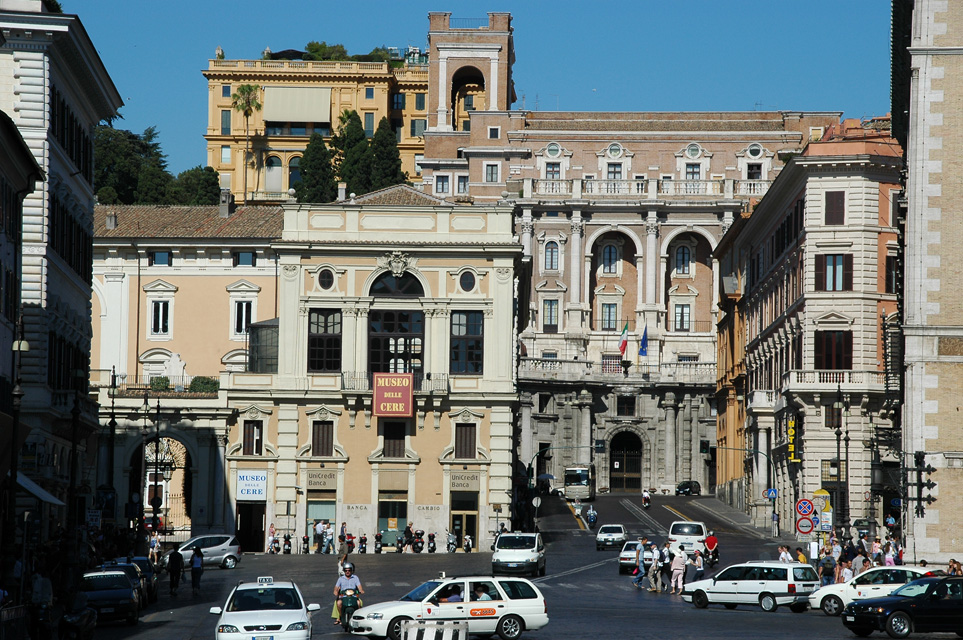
(393, 395)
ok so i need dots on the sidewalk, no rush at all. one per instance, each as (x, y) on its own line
(733, 516)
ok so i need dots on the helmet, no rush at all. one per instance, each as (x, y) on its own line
(712, 533)
(347, 566)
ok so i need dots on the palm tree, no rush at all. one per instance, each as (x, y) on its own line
(246, 101)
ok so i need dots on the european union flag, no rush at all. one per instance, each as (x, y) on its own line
(644, 345)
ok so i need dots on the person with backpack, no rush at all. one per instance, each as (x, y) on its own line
(826, 568)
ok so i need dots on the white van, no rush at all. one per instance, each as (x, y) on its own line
(688, 535)
(519, 553)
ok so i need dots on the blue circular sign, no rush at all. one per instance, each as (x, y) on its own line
(896, 502)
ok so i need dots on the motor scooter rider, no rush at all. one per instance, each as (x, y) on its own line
(646, 498)
(347, 581)
(712, 547)
(592, 515)
(578, 508)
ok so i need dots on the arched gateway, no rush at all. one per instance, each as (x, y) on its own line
(625, 463)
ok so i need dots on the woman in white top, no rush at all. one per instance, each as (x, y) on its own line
(784, 555)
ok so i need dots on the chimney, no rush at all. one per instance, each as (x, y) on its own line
(342, 190)
(111, 220)
(226, 205)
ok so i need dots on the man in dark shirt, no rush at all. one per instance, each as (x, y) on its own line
(175, 567)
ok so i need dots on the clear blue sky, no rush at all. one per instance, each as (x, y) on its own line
(644, 55)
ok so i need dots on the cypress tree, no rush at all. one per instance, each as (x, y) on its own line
(385, 159)
(317, 173)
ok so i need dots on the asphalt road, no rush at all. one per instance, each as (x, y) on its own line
(587, 598)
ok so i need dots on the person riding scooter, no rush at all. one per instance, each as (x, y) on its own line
(578, 508)
(712, 549)
(646, 499)
(592, 516)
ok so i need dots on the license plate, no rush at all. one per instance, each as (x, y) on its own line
(107, 610)
(850, 618)
(512, 564)
(263, 638)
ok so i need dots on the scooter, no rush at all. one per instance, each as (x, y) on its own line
(349, 604)
(378, 545)
(305, 544)
(431, 543)
(467, 544)
(646, 501)
(712, 557)
(399, 544)
(287, 543)
(275, 546)
(350, 540)
(419, 544)
(592, 517)
(452, 542)
(363, 544)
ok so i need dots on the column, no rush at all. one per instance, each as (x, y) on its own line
(443, 94)
(670, 450)
(526, 445)
(575, 282)
(349, 318)
(527, 227)
(585, 433)
(651, 251)
(715, 285)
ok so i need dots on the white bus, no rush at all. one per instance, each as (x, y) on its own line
(580, 482)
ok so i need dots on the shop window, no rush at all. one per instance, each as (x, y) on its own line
(322, 438)
(252, 438)
(392, 514)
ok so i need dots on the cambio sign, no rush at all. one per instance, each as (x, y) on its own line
(251, 485)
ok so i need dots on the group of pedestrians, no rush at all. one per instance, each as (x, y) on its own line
(667, 568)
(840, 562)
(175, 568)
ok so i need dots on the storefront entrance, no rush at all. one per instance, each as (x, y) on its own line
(251, 526)
(625, 463)
(464, 516)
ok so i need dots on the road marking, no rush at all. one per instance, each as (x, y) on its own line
(566, 585)
(642, 516)
(571, 507)
(401, 584)
(577, 570)
(681, 515)
(374, 584)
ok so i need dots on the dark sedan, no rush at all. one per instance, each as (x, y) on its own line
(688, 488)
(136, 576)
(924, 605)
(147, 570)
(112, 595)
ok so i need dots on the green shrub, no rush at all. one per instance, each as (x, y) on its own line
(204, 384)
(160, 383)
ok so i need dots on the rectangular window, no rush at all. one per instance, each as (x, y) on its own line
(754, 171)
(394, 437)
(225, 154)
(693, 171)
(464, 441)
(834, 272)
(398, 126)
(550, 316)
(553, 170)
(835, 207)
(462, 184)
(466, 125)
(549, 355)
(420, 101)
(469, 103)
(418, 159)
(892, 274)
(242, 316)
(226, 122)
(494, 133)
(611, 363)
(252, 438)
(322, 438)
(625, 405)
(244, 259)
(418, 127)
(491, 173)
(369, 93)
(610, 318)
(398, 101)
(299, 129)
(441, 184)
(681, 317)
(225, 91)
(159, 258)
(833, 350)
(614, 171)
(467, 342)
(324, 341)
(369, 124)
(834, 417)
(160, 317)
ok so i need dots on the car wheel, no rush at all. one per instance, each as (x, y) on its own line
(229, 562)
(700, 599)
(621, 570)
(510, 627)
(768, 602)
(898, 625)
(541, 571)
(798, 607)
(132, 619)
(394, 627)
(831, 605)
(729, 605)
(862, 633)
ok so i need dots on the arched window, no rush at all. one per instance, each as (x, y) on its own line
(390, 286)
(551, 256)
(272, 174)
(294, 172)
(682, 261)
(610, 259)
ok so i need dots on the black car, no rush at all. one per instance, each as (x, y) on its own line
(925, 605)
(136, 576)
(149, 574)
(112, 595)
(688, 488)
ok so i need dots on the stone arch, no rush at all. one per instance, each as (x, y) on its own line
(626, 448)
(468, 91)
(601, 231)
(670, 237)
(375, 275)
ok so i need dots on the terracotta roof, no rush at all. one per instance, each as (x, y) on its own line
(398, 195)
(167, 221)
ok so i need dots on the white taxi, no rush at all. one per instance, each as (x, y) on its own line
(872, 583)
(264, 609)
(502, 605)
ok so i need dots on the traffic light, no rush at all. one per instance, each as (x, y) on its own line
(704, 446)
(919, 458)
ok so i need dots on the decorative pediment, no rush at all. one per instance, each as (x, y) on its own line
(683, 290)
(600, 290)
(337, 455)
(253, 412)
(410, 457)
(243, 286)
(466, 415)
(557, 286)
(322, 413)
(159, 286)
(833, 319)
(482, 456)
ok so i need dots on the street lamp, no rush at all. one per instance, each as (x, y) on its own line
(10, 521)
(842, 484)
(156, 500)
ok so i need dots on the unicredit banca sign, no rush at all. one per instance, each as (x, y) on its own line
(393, 395)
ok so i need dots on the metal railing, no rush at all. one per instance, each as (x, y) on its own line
(693, 326)
(555, 369)
(362, 381)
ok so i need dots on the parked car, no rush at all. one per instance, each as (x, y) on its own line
(931, 604)
(514, 605)
(610, 535)
(688, 488)
(627, 557)
(766, 583)
(147, 569)
(112, 595)
(219, 549)
(872, 583)
(136, 576)
(265, 606)
(688, 535)
(522, 553)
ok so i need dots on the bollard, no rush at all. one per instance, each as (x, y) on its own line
(434, 630)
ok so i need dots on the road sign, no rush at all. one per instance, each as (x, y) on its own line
(805, 508)
(895, 502)
(770, 494)
(867, 495)
(815, 520)
(804, 526)
(536, 502)
(826, 525)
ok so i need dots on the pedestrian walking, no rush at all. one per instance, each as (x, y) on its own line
(666, 560)
(319, 535)
(826, 568)
(175, 567)
(329, 538)
(800, 556)
(640, 562)
(655, 570)
(699, 563)
(197, 568)
(154, 548)
(678, 564)
(409, 537)
(784, 554)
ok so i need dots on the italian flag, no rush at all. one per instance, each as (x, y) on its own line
(624, 340)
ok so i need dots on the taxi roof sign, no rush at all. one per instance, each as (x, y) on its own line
(265, 580)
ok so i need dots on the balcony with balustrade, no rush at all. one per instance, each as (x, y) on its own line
(644, 189)
(611, 371)
(833, 380)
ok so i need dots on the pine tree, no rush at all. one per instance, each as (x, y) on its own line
(385, 159)
(317, 173)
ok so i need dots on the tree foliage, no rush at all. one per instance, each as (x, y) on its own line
(317, 173)
(385, 158)
(196, 186)
(324, 51)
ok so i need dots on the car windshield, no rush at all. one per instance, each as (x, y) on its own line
(143, 563)
(630, 546)
(610, 529)
(421, 592)
(507, 541)
(267, 598)
(105, 582)
(915, 588)
(577, 478)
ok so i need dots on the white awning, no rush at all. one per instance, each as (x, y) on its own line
(297, 104)
(38, 492)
